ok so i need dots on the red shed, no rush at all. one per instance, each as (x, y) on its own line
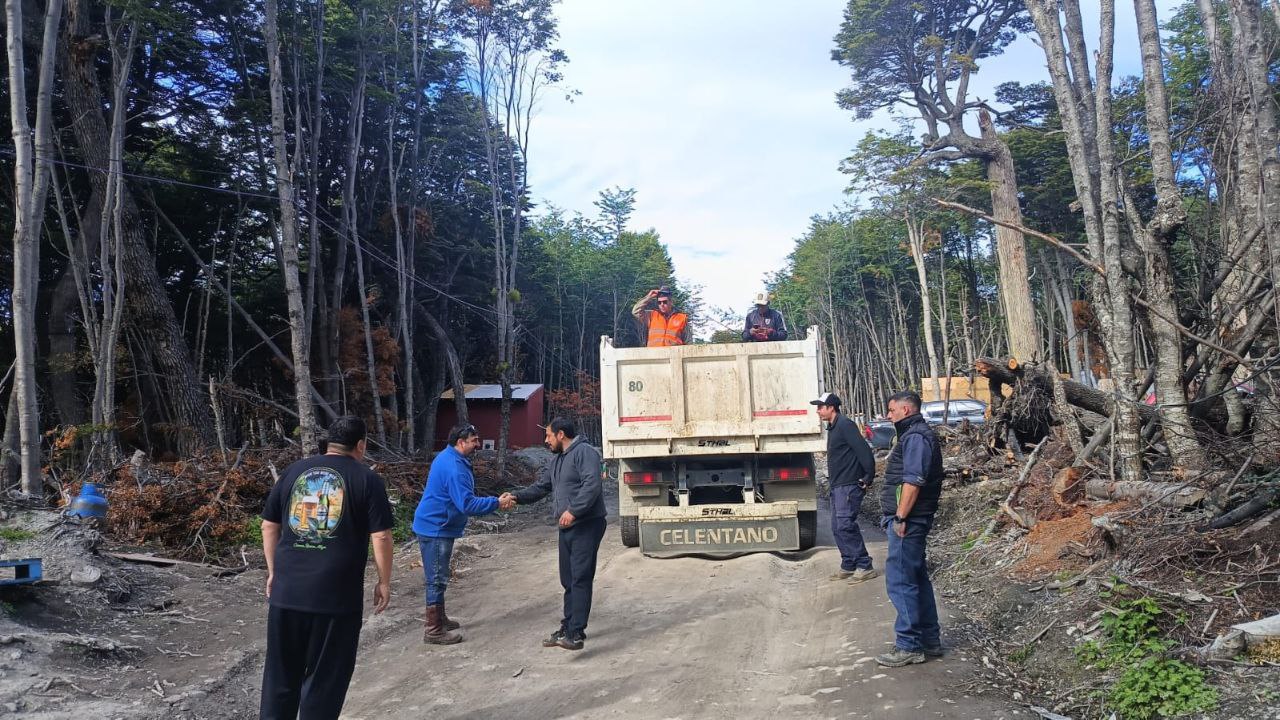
(483, 405)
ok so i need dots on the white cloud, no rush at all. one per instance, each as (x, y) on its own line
(721, 114)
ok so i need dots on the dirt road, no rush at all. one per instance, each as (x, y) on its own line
(753, 636)
(748, 637)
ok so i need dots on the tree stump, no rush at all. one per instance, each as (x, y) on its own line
(1067, 488)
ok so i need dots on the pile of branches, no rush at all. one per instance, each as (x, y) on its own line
(195, 508)
(201, 509)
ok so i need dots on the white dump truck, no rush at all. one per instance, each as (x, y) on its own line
(714, 444)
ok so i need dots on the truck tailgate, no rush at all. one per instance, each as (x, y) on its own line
(719, 528)
(710, 399)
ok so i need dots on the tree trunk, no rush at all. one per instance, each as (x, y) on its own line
(1157, 235)
(289, 237)
(1011, 249)
(404, 269)
(31, 171)
(1086, 108)
(371, 367)
(451, 363)
(149, 310)
(915, 236)
(1248, 32)
(64, 348)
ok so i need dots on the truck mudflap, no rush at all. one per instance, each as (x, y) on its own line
(718, 529)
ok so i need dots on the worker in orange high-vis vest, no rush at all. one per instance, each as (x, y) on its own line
(663, 327)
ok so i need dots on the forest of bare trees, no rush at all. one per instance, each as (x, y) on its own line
(1113, 232)
(233, 222)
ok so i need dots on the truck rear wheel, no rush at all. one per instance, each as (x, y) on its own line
(808, 520)
(631, 530)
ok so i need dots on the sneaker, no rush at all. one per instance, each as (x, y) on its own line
(862, 575)
(933, 652)
(899, 658)
(574, 643)
(842, 575)
(557, 636)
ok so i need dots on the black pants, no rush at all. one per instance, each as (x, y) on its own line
(310, 658)
(579, 546)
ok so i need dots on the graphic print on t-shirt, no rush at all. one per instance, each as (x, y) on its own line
(315, 504)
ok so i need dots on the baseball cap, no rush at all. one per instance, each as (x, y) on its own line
(762, 298)
(827, 399)
(664, 291)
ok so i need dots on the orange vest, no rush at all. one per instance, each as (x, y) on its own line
(665, 331)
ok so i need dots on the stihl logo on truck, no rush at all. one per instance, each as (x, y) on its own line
(713, 443)
(714, 511)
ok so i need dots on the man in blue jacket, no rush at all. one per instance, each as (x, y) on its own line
(572, 479)
(441, 517)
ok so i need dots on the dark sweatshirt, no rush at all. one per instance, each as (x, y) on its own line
(573, 480)
(849, 458)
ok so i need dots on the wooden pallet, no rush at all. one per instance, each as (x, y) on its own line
(25, 571)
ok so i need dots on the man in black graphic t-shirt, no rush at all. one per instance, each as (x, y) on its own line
(316, 528)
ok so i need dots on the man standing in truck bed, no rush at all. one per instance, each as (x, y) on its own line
(764, 324)
(851, 468)
(663, 327)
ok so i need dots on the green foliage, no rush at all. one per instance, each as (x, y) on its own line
(899, 51)
(16, 534)
(1151, 685)
(1130, 633)
(1022, 654)
(251, 533)
(402, 530)
(1160, 687)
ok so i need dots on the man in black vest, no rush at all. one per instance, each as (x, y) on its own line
(912, 485)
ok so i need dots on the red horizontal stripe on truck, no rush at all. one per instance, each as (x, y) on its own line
(778, 413)
(644, 418)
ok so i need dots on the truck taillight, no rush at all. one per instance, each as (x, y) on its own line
(641, 478)
(786, 473)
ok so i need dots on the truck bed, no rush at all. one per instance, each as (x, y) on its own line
(710, 399)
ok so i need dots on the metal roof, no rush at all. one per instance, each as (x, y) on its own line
(522, 391)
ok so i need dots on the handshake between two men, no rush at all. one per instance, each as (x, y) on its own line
(507, 501)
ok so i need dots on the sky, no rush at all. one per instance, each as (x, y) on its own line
(721, 114)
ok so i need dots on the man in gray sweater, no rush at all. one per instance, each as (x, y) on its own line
(572, 479)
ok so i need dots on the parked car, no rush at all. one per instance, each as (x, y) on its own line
(882, 434)
(975, 411)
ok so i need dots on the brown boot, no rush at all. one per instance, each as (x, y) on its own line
(444, 618)
(435, 633)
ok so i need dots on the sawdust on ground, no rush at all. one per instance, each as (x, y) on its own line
(1061, 544)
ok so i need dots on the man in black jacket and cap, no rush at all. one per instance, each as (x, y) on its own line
(572, 479)
(851, 468)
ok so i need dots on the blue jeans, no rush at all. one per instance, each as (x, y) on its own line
(846, 502)
(906, 578)
(436, 553)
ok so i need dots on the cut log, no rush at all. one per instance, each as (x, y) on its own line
(1078, 394)
(1067, 490)
(1099, 401)
(1167, 494)
(1262, 524)
(1253, 507)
